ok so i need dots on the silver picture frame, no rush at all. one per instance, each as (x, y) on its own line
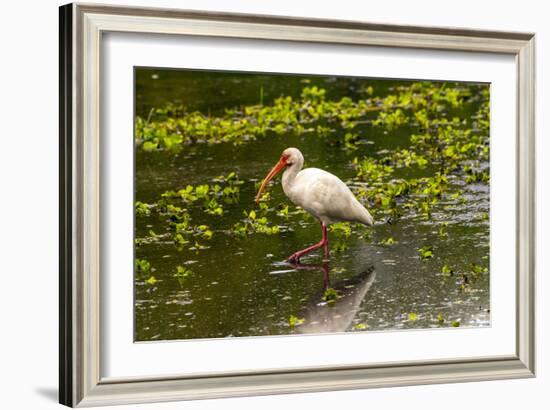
(81, 29)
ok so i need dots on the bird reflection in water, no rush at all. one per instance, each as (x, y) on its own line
(325, 317)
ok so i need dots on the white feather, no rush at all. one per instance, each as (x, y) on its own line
(321, 193)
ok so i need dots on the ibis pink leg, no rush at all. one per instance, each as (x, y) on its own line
(295, 257)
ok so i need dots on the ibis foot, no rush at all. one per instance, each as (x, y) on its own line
(295, 257)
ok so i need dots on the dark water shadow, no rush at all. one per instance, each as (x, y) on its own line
(324, 317)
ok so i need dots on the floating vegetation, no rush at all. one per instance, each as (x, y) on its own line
(340, 232)
(142, 266)
(416, 154)
(387, 241)
(169, 128)
(172, 206)
(330, 296)
(253, 224)
(426, 252)
(446, 144)
(412, 317)
(341, 229)
(182, 274)
(152, 280)
(442, 231)
(445, 270)
(477, 270)
(143, 271)
(142, 209)
(294, 321)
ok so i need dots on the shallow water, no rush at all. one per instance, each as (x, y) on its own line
(243, 287)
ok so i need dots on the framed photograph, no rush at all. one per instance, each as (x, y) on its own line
(257, 205)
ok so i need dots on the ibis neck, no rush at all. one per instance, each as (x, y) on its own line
(289, 175)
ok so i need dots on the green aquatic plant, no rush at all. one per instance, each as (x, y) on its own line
(339, 246)
(412, 317)
(206, 233)
(173, 205)
(330, 295)
(477, 270)
(253, 224)
(142, 209)
(341, 229)
(435, 157)
(198, 247)
(231, 179)
(152, 237)
(477, 176)
(212, 207)
(442, 230)
(424, 176)
(282, 210)
(391, 120)
(183, 231)
(406, 158)
(182, 274)
(144, 271)
(171, 127)
(445, 270)
(152, 280)
(387, 241)
(227, 189)
(186, 194)
(371, 170)
(180, 240)
(350, 141)
(294, 321)
(426, 252)
(201, 191)
(442, 141)
(142, 266)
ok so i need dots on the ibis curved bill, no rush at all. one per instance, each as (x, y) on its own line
(320, 193)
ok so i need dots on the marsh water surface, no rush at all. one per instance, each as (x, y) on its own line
(240, 285)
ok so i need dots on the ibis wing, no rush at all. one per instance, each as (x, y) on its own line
(326, 197)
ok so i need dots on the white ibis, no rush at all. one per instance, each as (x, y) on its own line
(320, 193)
